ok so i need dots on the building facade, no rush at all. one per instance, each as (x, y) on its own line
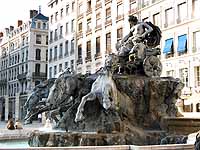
(62, 36)
(23, 58)
(100, 24)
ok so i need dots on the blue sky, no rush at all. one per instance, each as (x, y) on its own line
(13, 10)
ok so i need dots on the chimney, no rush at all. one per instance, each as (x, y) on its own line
(33, 13)
(19, 23)
(1, 34)
(11, 28)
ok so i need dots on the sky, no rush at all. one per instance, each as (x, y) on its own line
(13, 10)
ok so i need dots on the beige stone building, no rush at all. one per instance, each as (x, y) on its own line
(101, 23)
(62, 36)
(23, 63)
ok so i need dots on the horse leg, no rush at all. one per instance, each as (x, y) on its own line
(89, 97)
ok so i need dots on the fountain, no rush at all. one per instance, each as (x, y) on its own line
(124, 103)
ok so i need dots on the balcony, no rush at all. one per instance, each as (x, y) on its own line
(119, 1)
(108, 22)
(98, 5)
(79, 34)
(39, 75)
(88, 59)
(80, 16)
(165, 25)
(56, 38)
(120, 17)
(60, 36)
(89, 31)
(21, 76)
(133, 11)
(98, 27)
(50, 59)
(89, 11)
(79, 61)
(3, 82)
(97, 56)
(108, 1)
(55, 58)
(60, 56)
(145, 4)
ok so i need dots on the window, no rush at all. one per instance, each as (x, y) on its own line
(61, 51)
(73, 6)
(60, 68)
(156, 19)
(120, 10)
(80, 26)
(169, 17)
(196, 43)
(133, 7)
(55, 53)
(108, 43)
(89, 24)
(51, 18)
(183, 74)
(79, 51)
(67, 9)
(38, 54)
(72, 65)
(119, 34)
(61, 31)
(72, 47)
(38, 25)
(197, 76)
(46, 54)
(66, 48)
(88, 50)
(89, 5)
(61, 13)
(145, 3)
(169, 48)
(80, 9)
(38, 39)
(98, 20)
(56, 35)
(51, 36)
(55, 70)
(66, 65)
(72, 26)
(50, 55)
(56, 16)
(44, 26)
(37, 68)
(47, 40)
(98, 46)
(67, 28)
(108, 14)
(170, 73)
(196, 6)
(182, 44)
(182, 12)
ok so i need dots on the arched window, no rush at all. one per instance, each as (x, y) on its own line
(38, 54)
(39, 25)
(44, 25)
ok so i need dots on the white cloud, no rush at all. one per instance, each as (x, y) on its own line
(13, 10)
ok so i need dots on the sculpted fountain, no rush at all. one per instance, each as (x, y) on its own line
(124, 103)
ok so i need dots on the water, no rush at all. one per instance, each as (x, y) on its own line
(14, 144)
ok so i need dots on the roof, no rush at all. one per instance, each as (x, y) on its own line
(41, 17)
